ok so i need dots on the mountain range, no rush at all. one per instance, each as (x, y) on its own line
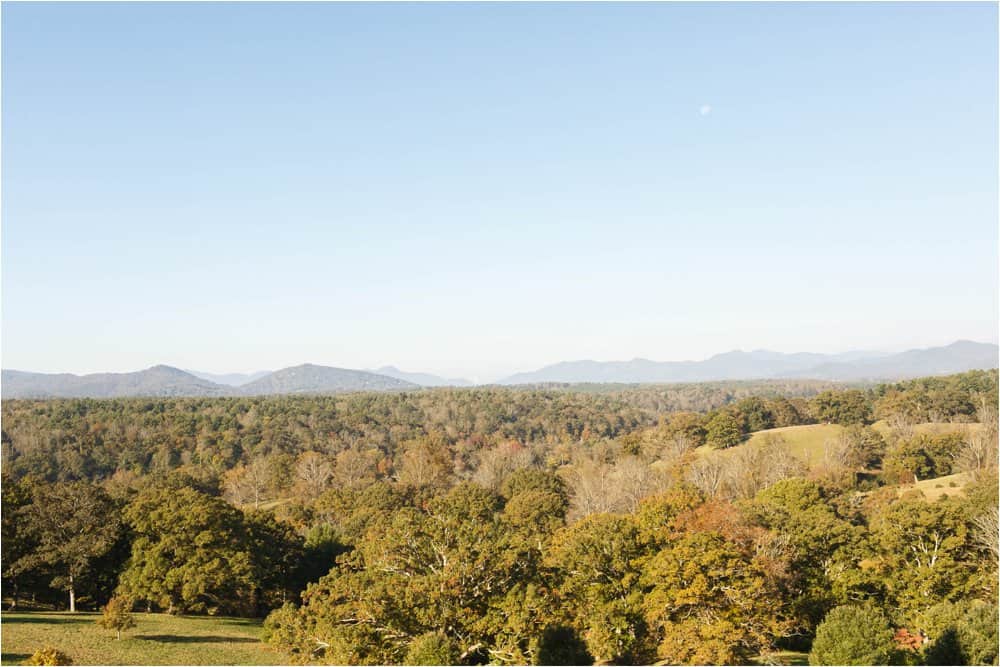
(155, 381)
(423, 379)
(763, 364)
(166, 381)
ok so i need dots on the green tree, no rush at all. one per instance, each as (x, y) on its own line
(925, 552)
(846, 407)
(823, 548)
(73, 524)
(449, 566)
(533, 479)
(190, 553)
(322, 545)
(431, 648)
(690, 425)
(16, 541)
(277, 554)
(723, 430)
(786, 413)
(597, 566)
(922, 457)
(961, 633)
(536, 514)
(756, 413)
(865, 447)
(853, 635)
(537, 502)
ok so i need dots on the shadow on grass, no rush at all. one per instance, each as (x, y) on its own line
(240, 621)
(13, 658)
(198, 639)
(44, 620)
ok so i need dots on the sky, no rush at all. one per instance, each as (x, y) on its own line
(479, 189)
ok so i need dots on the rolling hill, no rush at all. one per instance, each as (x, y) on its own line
(156, 381)
(960, 356)
(312, 379)
(165, 381)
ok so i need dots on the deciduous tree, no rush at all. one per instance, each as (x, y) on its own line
(73, 524)
(190, 553)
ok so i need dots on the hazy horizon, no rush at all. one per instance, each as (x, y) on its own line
(478, 190)
(482, 379)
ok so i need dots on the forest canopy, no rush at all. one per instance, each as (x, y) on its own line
(514, 526)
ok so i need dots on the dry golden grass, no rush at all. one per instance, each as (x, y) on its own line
(933, 489)
(806, 442)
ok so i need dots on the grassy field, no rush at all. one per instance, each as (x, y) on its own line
(949, 485)
(805, 442)
(158, 639)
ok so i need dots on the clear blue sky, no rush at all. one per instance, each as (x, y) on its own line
(479, 189)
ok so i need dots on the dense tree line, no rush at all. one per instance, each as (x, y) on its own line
(509, 526)
(94, 439)
(471, 575)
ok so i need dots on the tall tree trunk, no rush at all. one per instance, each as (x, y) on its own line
(72, 595)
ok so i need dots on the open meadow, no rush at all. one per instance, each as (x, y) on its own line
(808, 442)
(157, 639)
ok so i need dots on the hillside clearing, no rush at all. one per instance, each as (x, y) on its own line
(158, 639)
(806, 442)
(938, 487)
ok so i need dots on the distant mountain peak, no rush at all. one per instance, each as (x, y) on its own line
(162, 380)
(157, 380)
(314, 379)
(163, 368)
(737, 364)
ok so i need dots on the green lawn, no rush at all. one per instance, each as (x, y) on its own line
(158, 639)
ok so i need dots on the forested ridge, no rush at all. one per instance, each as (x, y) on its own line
(557, 525)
